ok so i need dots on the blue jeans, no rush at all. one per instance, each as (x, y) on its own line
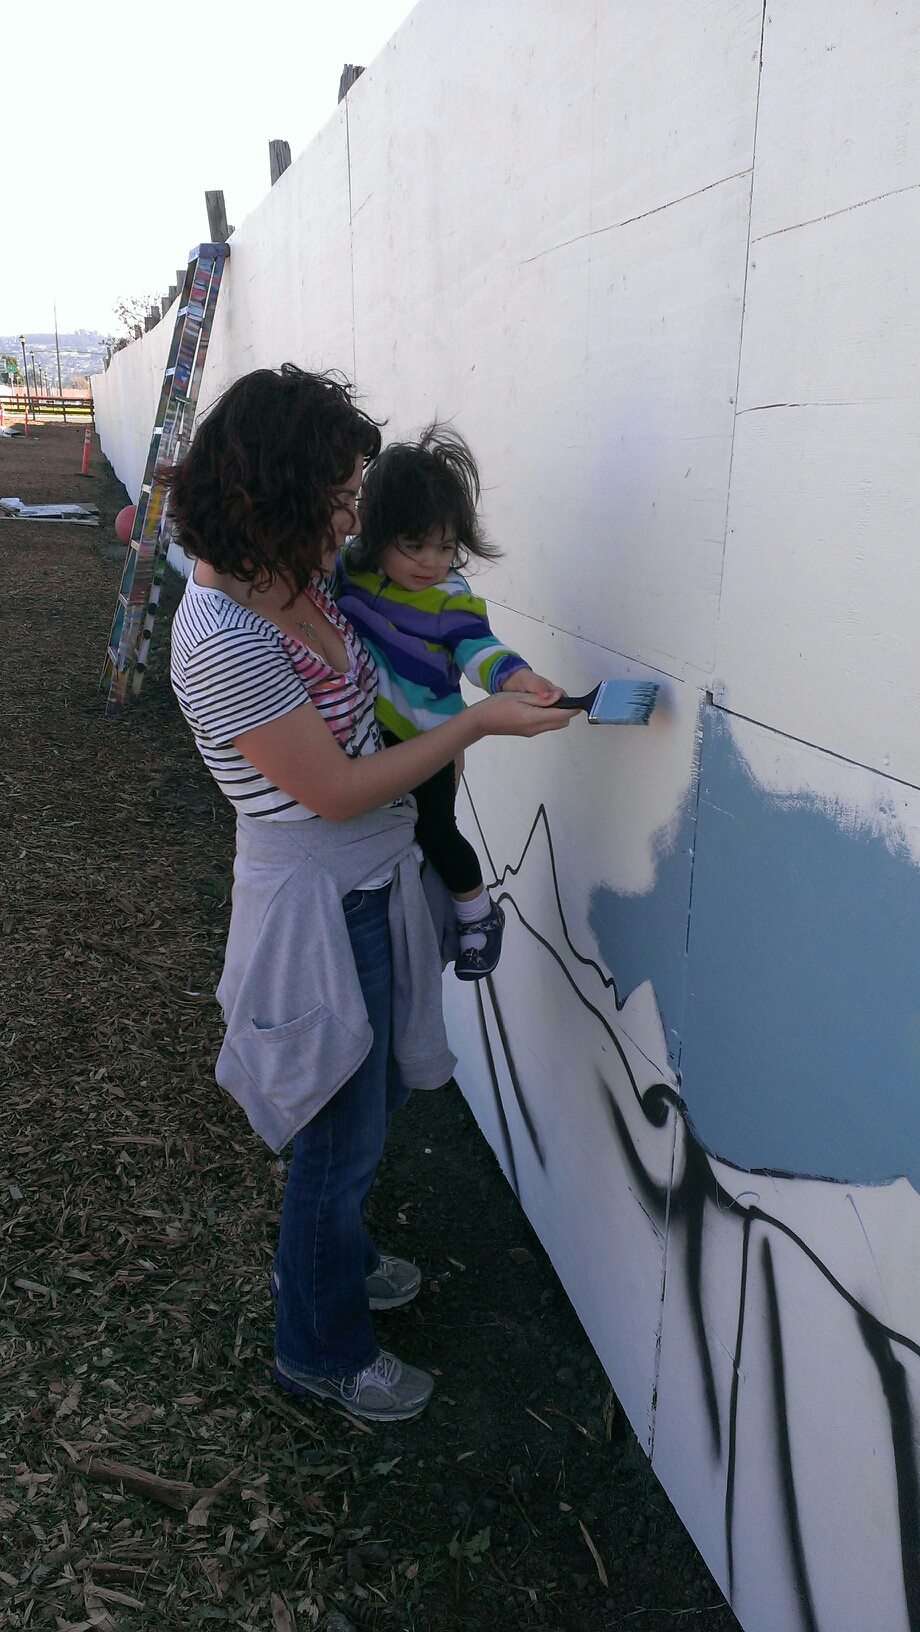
(322, 1321)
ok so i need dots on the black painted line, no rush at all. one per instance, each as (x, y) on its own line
(894, 1387)
(731, 1463)
(512, 870)
(523, 1106)
(655, 1194)
(784, 1447)
(482, 837)
(586, 1004)
(839, 1288)
(496, 1090)
(695, 1184)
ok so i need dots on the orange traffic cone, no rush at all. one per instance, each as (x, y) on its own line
(84, 471)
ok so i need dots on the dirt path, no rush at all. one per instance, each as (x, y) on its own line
(137, 1215)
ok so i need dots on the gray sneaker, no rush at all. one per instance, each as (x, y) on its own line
(394, 1282)
(389, 1390)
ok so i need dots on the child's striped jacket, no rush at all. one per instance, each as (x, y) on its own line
(422, 642)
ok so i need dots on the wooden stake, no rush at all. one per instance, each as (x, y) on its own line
(218, 230)
(279, 157)
(350, 73)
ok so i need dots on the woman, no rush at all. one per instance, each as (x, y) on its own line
(331, 984)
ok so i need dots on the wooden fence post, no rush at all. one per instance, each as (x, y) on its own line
(217, 217)
(279, 157)
(349, 74)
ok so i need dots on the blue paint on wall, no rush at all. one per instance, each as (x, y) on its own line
(802, 1033)
(644, 937)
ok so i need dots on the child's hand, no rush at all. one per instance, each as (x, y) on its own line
(536, 685)
(504, 715)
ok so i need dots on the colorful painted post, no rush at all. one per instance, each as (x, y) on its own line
(84, 469)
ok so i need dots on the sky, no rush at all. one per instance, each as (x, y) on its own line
(136, 112)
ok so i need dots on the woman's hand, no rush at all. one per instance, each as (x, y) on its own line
(297, 752)
(533, 685)
(524, 715)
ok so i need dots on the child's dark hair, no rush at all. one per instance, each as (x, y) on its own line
(414, 487)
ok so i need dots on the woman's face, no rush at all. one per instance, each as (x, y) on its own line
(345, 522)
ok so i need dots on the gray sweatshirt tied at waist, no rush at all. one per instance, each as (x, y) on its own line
(297, 1025)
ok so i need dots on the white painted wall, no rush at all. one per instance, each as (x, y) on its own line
(657, 264)
(125, 400)
(824, 481)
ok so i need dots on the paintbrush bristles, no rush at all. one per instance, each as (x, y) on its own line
(616, 702)
(623, 702)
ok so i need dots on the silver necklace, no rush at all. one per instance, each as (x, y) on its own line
(308, 627)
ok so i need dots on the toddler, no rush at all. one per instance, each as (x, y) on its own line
(398, 582)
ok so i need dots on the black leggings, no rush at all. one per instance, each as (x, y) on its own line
(437, 832)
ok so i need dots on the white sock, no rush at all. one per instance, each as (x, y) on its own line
(470, 913)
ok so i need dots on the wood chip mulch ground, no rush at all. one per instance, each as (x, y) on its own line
(151, 1477)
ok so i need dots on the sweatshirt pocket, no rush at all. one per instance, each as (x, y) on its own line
(300, 1064)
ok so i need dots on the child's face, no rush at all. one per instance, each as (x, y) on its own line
(417, 563)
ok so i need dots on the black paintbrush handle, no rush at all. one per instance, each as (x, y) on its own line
(577, 702)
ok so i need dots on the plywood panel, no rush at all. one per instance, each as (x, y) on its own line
(675, 104)
(592, 366)
(289, 286)
(837, 122)
(817, 631)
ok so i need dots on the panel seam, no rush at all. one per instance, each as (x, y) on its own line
(747, 267)
(351, 243)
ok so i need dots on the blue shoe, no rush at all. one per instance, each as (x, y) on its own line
(478, 961)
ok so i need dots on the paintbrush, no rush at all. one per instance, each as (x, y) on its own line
(616, 702)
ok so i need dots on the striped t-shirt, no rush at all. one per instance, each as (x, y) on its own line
(232, 671)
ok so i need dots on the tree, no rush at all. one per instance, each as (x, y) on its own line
(131, 310)
(9, 368)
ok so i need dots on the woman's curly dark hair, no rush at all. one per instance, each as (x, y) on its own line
(416, 486)
(254, 495)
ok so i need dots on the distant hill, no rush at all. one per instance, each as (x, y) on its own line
(82, 354)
